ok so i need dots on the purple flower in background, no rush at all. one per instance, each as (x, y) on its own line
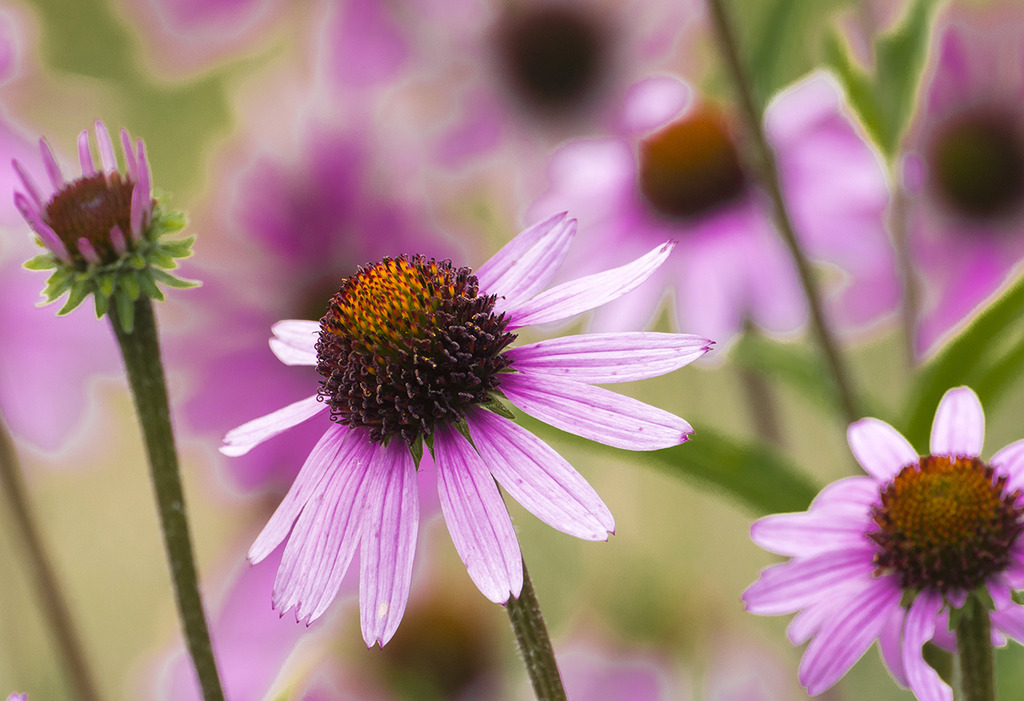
(887, 557)
(675, 172)
(964, 168)
(415, 352)
(17, 697)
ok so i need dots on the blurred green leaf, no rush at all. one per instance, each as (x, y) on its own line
(884, 101)
(986, 356)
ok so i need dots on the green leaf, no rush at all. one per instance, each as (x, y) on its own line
(149, 288)
(44, 261)
(884, 101)
(171, 281)
(76, 296)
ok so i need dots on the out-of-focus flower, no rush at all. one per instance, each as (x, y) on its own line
(675, 171)
(889, 556)
(414, 352)
(103, 231)
(18, 697)
(964, 168)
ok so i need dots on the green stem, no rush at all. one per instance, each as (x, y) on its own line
(534, 644)
(141, 352)
(974, 644)
(770, 179)
(55, 607)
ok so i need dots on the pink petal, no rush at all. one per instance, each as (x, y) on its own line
(879, 448)
(920, 627)
(652, 103)
(106, 149)
(88, 252)
(30, 185)
(477, 518)
(1010, 621)
(808, 534)
(890, 644)
(131, 164)
(849, 495)
(52, 169)
(796, 584)
(959, 426)
(599, 358)
(1009, 461)
(595, 413)
(527, 263)
(85, 155)
(339, 445)
(241, 440)
(294, 341)
(847, 636)
(390, 525)
(324, 537)
(586, 293)
(539, 478)
(117, 240)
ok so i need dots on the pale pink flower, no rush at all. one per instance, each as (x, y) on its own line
(413, 353)
(887, 556)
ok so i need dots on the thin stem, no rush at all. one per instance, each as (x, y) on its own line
(761, 401)
(141, 352)
(55, 607)
(534, 644)
(974, 643)
(909, 306)
(770, 179)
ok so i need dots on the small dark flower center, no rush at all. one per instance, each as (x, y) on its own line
(407, 344)
(977, 164)
(946, 523)
(88, 208)
(554, 57)
(691, 166)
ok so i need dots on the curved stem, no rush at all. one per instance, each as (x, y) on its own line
(974, 644)
(770, 179)
(141, 352)
(54, 606)
(534, 644)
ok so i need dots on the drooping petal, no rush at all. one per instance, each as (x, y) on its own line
(477, 518)
(847, 636)
(106, 149)
(595, 413)
(539, 478)
(527, 263)
(890, 644)
(30, 185)
(239, 441)
(599, 358)
(294, 341)
(920, 627)
(85, 154)
(588, 292)
(390, 526)
(959, 426)
(879, 448)
(807, 534)
(338, 446)
(1010, 621)
(324, 536)
(1009, 461)
(796, 584)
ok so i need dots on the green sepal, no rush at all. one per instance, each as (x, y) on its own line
(125, 310)
(462, 427)
(101, 303)
(495, 405)
(171, 281)
(76, 296)
(416, 450)
(105, 283)
(44, 261)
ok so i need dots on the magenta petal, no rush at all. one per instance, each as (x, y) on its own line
(588, 292)
(1009, 461)
(848, 495)
(959, 426)
(1010, 621)
(599, 358)
(390, 525)
(920, 627)
(595, 413)
(477, 518)
(807, 534)
(793, 585)
(239, 441)
(323, 539)
(106, 149)
(879, 448)
(527, 263)
(890, 644)
(334, 448)
(130, 163)
(85, 155)
(52, 169)
(847, 636)
(30, 186)
(294, 341)
(539, 478)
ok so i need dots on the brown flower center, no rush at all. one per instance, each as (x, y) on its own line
(946, 523)
(88, 208)
(408, 343)
(691, 166)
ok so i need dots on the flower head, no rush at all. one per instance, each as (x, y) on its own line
(102, 230)
(964, 167)
(891, 556)
(674, 171)
(414, 352)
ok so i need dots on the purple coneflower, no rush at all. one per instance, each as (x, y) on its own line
(415, 352)
(965, 168)
(891, 556)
